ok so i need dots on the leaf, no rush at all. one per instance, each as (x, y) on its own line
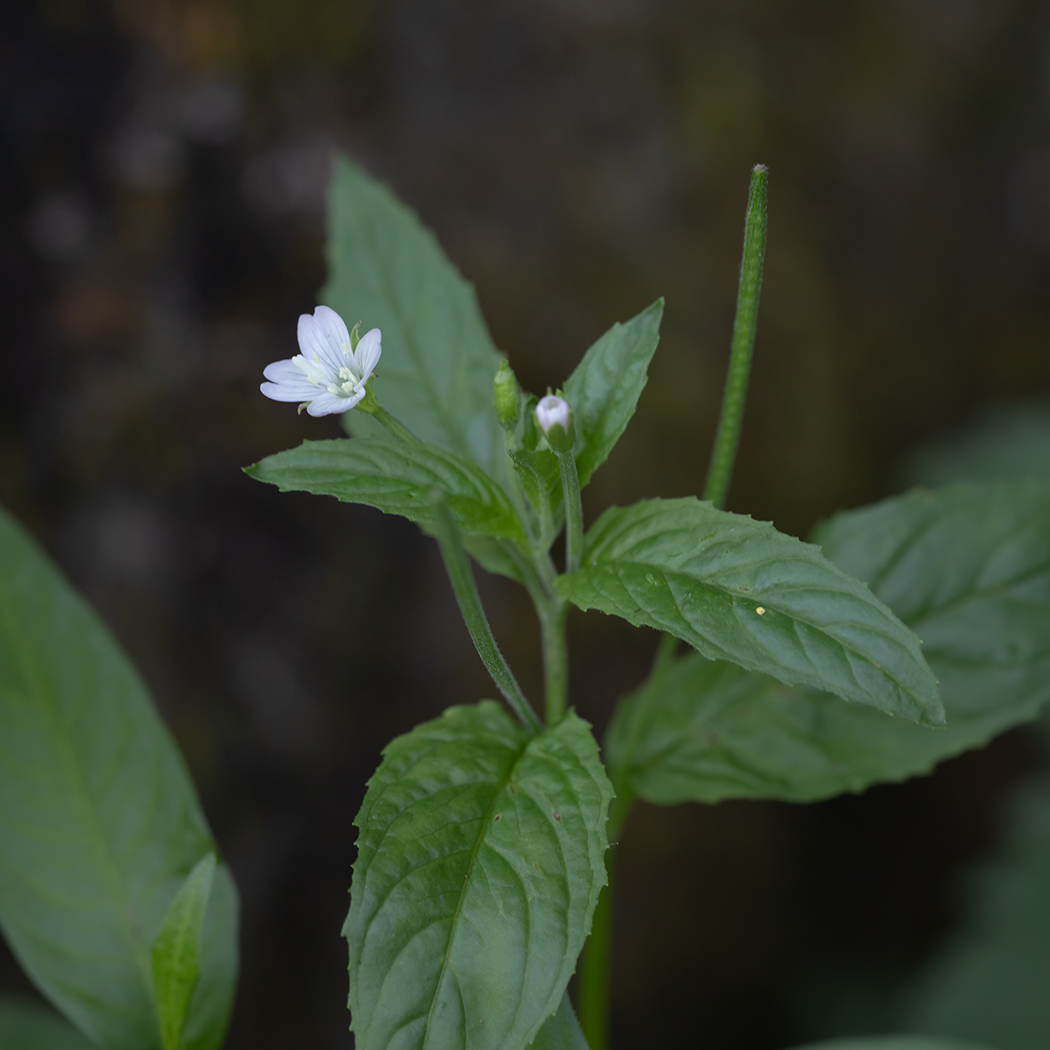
(604, 389)
(99, 823)
(1007, 443)
(25, 1025)
(397, 478)
(480, 861)
(968, 568)
(562, 1031)
(990, 981)
(438, 364)
(736, 589)
(177, 948)
(891, 1042)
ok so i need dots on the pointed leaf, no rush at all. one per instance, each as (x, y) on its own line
(26, 1025)
(604, 389)
(737, 589)
(99, 823)
(397, 478)
(967, 568)
(177, 949)
(438, 364)
(480, 861)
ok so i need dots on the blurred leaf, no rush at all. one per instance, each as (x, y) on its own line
(604, 389)
(736, 589)
(397, 478)
(99, 822)
(562, 1031)
(893, 1042)
(176, 951)
(967, 568)
(541, 479)
(480, 860)
(25, 1025)
(387, 270)
(992, 981)
(1007, 443)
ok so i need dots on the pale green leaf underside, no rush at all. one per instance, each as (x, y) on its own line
(480, 860)
(604, 389)
(892, 1042)
(738, 590)
(388, 271)
(968, 568)
(26, 1025)
(990, 981)
(176, 950)
(397, 478)
(99, 823)
(562, 1031)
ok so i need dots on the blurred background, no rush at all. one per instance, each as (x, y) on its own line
(162, 178)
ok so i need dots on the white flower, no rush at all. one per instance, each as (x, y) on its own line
(553, 410)
(327, 376)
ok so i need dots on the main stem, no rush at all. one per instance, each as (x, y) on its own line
(723, 455)
(466, 591)
(570, 486)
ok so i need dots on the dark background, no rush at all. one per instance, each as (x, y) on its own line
(162, 177)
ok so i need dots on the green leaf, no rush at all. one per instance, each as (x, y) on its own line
(562, 1031)
(967, 568)
(604, 389)
(25, 1025)
(736, 589)
(397, 478)
(99, 823)
(891, 1042)
(480, 861)
(541, 479)
(990, 981)
(177, 949)
(438, 364)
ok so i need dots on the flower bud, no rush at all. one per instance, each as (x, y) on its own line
(507, 395)
(555, 420)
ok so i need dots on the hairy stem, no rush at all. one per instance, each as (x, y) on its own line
(723, 455)
(370, 406)
(555, 659)
(466, 590)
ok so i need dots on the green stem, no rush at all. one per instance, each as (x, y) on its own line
(723, 455)
(466, 591)
(370, 406)
(570, 484)
(595, 983)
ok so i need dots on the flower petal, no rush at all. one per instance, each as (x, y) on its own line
(366, 356)
(287, 392)
(284, 372)
(328, 404)
(314, 342)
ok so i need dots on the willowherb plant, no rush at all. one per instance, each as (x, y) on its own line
(483, 858)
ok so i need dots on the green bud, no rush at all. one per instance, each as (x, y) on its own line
(507, 396)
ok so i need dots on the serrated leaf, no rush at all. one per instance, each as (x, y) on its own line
(177, 949)
(480, 860)
(604, 389)
(892, 1042)
(99, 823)
(990, 980)
(967, 568)
(398, 478)
(25, 1025)
(736, 589)
(438, 365)
(562, 1031)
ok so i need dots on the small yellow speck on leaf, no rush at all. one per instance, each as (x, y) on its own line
(760, 610)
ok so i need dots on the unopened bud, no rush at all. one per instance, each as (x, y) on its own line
(555, 420)
(507, 395)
